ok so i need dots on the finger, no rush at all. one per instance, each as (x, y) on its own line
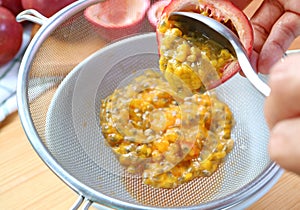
(241, 4)
(283, 33)
(284, 144)
(284, 100)
(263, 20)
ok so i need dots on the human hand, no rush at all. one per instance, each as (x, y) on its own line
(282, 113)
(276, 24)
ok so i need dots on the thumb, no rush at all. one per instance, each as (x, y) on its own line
(284, 144)
(283, 102)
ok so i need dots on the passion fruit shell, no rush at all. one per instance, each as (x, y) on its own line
(116, 19)
(155, 12)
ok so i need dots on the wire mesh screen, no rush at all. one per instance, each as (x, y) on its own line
(76, 67)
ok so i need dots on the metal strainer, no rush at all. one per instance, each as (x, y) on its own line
(66, 71)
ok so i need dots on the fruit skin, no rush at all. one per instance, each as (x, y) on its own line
(46, 7)
(222, 11)
(15, 6)
(155, 11)
(11, 36)
(107, 21)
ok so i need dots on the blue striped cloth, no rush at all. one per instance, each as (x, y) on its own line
(8, 80)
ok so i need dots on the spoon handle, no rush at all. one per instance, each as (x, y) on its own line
(223, 35)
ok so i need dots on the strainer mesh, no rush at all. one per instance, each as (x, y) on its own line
(52, 88)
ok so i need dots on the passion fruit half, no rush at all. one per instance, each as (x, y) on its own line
(115, 19)
(155, 12)
(223, 11)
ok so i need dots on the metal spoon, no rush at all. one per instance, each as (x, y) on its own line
(225, 37)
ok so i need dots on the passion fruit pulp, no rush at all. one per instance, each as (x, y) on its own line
(223, 11)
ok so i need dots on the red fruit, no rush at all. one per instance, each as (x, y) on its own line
(155, 11)
(225, 12)
(11, 34)
(15, 6)
(46, 7)
(115, 18)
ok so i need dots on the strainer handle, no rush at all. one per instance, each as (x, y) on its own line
(82, 201)
(31, 15)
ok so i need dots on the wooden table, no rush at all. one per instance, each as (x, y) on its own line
(27, 183)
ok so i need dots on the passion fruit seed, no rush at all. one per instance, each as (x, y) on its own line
(165, 144)
(150, 134)
(190, 58)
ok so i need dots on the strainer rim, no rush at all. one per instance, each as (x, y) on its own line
(45, 155)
